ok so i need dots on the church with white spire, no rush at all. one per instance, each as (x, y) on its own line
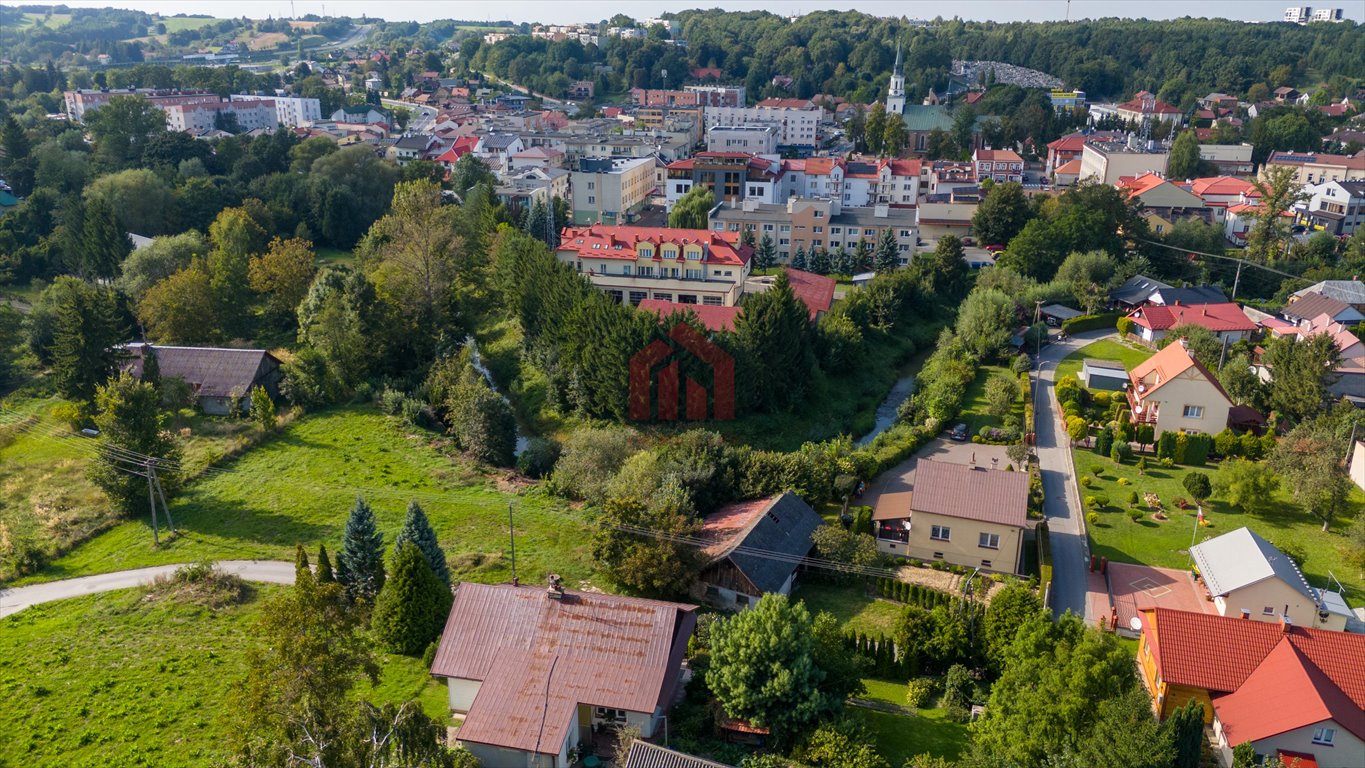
(895, 94)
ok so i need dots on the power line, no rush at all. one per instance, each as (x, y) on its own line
(1224, 257)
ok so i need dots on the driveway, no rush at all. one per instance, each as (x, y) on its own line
(901, 477)
(1062, 507)
(19, 598)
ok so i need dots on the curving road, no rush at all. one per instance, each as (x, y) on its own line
(19, 598)
(1062, 504)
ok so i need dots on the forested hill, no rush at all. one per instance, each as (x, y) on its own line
(850, 54)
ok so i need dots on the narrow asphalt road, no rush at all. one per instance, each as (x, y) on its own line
(19, 598)
(1062, 505)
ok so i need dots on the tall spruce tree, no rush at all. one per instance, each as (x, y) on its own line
(799, 258)
(862, 256)
(360, 561)
(776, 344)
(886, 258)
(104, 244)
(301, 562)
(86, 330)
(819, 261)
(538, 222)
(412, 606)
(325, 573)
(765, 255)
(417, 529)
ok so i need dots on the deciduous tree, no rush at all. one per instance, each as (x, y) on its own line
(690, 211)
(283, 274)
(128, 415)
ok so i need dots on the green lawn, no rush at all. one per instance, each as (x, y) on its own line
(901, 737)
(182, 23)
(1105, 349)
(54, 21)
(118, 679)
(974, 404)
(1166, 543)
(855, 610)
(330, 255)
(299, 488)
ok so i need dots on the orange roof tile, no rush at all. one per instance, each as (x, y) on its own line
(1167, 365)
(711, 317)
(1070, 168)
(1215, 317)
(605, 241)
(1221, 185)
(1284, 693)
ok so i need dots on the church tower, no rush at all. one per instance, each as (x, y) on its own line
(895, 94)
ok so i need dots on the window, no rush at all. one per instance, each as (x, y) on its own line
(1324, 735)
(786, 227)
(592, 185)
(985, 564)
(741, 599)
(905, 233)
(711, 591)
(1269, 610)
(638, 296)
(663, 296)
(625, 270)
(1194, 411)
(710, 301)
(767, 227)
(784, 241)
(592, 200)
(938, 555)
(940, 533)
(687, 298)
(646, 271)
(692, 274)
(989, 540)
(818, 230)
(836, 230)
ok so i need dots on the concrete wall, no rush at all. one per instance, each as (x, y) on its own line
(1274, 594)
(963, 546)
(1189, 388)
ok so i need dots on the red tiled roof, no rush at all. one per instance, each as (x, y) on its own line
(821, 166)
(538, 658)
(998, 156)
(971, 493)
(1140, 185)
(604, 241)
(713, 318)
(1215, 317)
(1221, 185)
(1072, 143)
(1167, 364)
(1158, 108)
(1296, 759)
(816, 291)
(1218, 653)
(1284, 693)
(786, 103)
(1069, 168)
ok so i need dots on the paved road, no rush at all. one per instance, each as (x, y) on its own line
(423, 118)
(1065, 519)
(19, 598)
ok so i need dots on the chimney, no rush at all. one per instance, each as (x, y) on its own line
(556, 589)
(1184, 342)
(1285, 622)
(1246, 613)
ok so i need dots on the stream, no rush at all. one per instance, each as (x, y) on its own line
(886, 412)
(522, 438)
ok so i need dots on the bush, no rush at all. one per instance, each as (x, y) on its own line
(918, 692)
(1135, 515)
(539, 458)
(391, 401)
(1097, 470)
(1092, 517)
(1125, 481)
(1124, 325)
(1020, 364)
(1133, 499)
(1090, 322)
(1167, 462)
(959, 714)
(1102, 398)
(1091, 502)
(1086, 482)
(1101, 502)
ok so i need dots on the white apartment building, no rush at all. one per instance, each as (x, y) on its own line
(752, 139)
(798, 120)
(610, 190)
(203, 116)
(1107, 162)
(687, 266)
(290, 111)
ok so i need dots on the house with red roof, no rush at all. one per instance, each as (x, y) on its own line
(712, 318)
(533, 672)
(688, 266)
(1284, 689)
(998, 165)
(1225, 320)
(1134, 110)
(1173, 392)
(1163, 202)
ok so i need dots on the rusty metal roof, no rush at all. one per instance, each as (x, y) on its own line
(211, 371)
(972, 493)
(539, 657)
(646, 755)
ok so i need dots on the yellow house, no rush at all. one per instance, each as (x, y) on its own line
(1248, 577)
(1175, 393)
(966, 515)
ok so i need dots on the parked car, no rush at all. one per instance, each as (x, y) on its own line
(959, 432)
(995, 248)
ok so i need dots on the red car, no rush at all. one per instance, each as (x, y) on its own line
(995, 248)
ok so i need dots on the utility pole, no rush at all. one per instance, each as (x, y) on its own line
(1235, 280)
(151, 499)
(161, 492)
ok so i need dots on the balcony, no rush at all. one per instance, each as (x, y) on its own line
(1142, 412)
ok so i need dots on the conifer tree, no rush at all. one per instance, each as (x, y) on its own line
(86, 330)
(360, 561)
(325, 574)
(862, 256)
(412, 606)
(819, 261)
(301, 562)
(886, 258)
(765, 255)
(537, 221)
(104, 244)
(774, 336)
(799, 258)
(746, 236)
(417, 529)
(151, 367)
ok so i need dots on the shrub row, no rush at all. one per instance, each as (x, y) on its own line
(1090, 322)
(913, 594)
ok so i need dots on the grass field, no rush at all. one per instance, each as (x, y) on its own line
(1105, 349)
(120, 679)
(330, 255)
(1166, 543)
(974, 404)
(901, 737)
(182, 23)
(854, 610)
(300, 486)
(53, 22)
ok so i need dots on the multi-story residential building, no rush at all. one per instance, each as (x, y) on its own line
(1107, 162)
(1316, 167)
(1069, 147)
(1334, 207)
(290, 111)
(797, 119)
(717, 95)
(1144, 103)
(81, 101)
(611, 190)
(1297, 14)
(754, 139)
(731, 176)
(536, 157)
(687, 266)
(812, 224)
(1229, 159)
(206, 116)
(947, 176)
(998, 165)
(524, 187)
(1327, 14)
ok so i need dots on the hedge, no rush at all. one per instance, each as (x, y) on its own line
(911, 594)
(1044, 556)
(1103, 320)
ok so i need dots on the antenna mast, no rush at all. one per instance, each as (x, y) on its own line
(512, 535)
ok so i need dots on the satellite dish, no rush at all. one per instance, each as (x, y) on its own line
(1135, 624)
